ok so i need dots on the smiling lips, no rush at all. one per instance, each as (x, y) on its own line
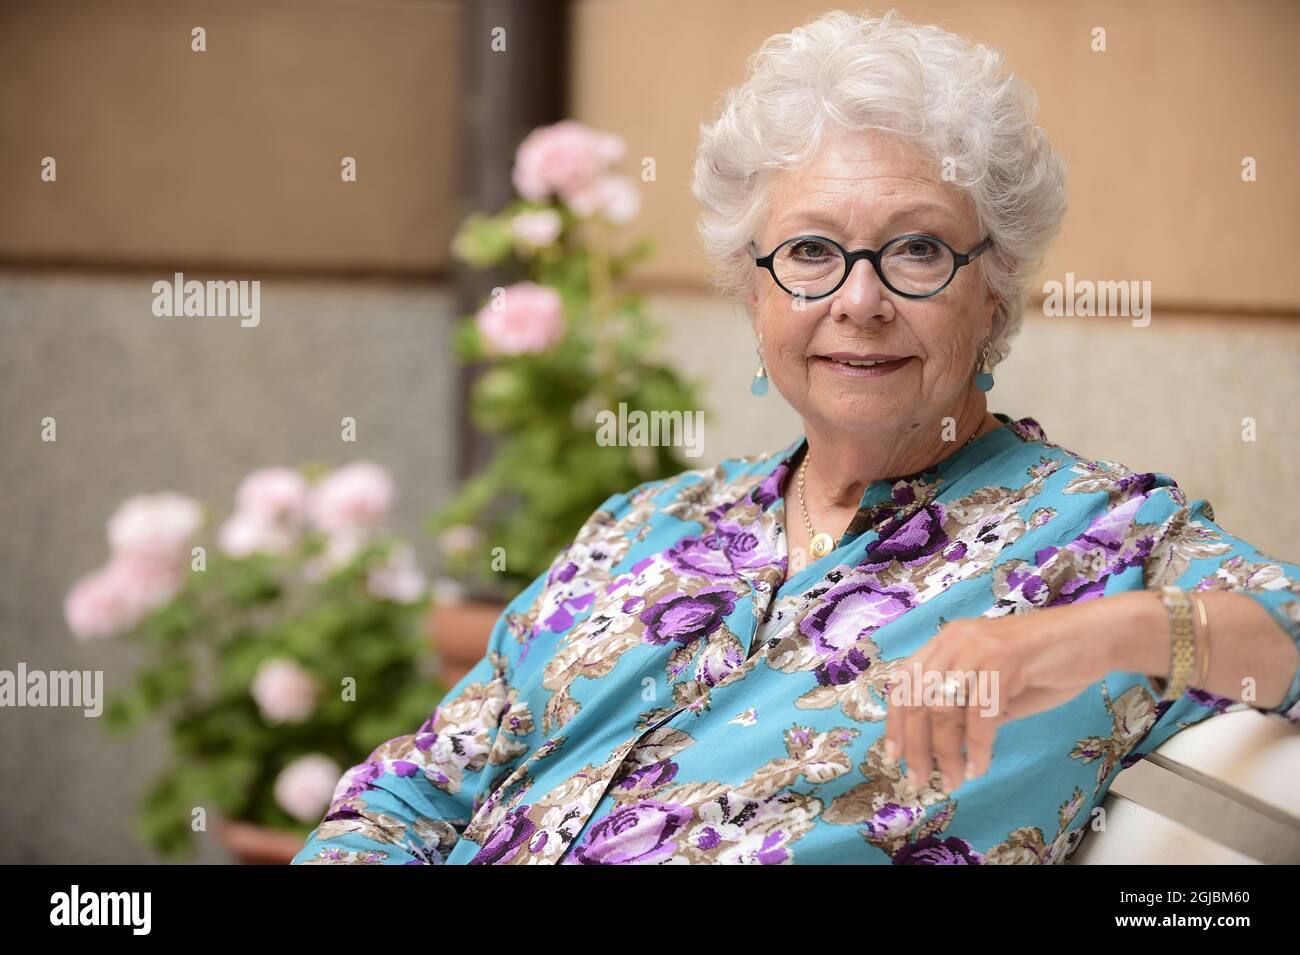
(874, 365)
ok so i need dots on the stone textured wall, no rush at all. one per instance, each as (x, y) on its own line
(185, 404)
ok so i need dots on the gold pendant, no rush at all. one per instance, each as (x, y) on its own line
(822, 544)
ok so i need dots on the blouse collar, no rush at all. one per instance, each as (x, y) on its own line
(888, 490)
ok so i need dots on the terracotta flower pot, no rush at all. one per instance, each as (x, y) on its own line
(459, 631)
(252, 844)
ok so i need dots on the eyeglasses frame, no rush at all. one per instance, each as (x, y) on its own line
(873, 256)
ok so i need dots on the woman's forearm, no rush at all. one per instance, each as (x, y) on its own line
(1248, 648)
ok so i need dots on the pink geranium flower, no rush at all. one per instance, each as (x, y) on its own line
(563, 159)
(355, 498)
(525, 318)
(116, 597)
(157, 527)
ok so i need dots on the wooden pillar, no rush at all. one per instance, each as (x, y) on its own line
(503, 95)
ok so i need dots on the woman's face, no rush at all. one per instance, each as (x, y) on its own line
(863, 190)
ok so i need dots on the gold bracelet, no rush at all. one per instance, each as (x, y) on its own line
(1205, 628)
(1182, 645)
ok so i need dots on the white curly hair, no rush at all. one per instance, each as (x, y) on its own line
(845, 71)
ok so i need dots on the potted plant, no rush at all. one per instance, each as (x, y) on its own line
(560, 347)
(276, 659)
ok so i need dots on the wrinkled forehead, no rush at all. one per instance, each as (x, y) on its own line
(862, 187)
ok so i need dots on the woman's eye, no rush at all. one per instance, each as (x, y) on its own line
(809, 249)
(920, 249)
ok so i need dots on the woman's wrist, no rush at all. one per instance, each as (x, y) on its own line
(1139, 634)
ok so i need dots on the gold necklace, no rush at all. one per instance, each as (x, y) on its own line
(822, 544)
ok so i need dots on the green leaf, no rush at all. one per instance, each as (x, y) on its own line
(483, 241)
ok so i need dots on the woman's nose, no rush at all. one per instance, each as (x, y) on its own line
(862, 297)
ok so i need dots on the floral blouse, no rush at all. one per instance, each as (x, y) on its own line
(663, 695)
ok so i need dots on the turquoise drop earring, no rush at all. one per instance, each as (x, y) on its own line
(984, 380)
(759, 385)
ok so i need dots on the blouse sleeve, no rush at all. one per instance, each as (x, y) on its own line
(1189, 550)
(412, 798)
(410, 802)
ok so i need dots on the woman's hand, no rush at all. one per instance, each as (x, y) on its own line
(1007, 668)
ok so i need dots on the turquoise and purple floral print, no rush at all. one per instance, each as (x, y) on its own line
(663, 695)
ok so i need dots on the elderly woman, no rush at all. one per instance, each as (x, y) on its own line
(921, 633)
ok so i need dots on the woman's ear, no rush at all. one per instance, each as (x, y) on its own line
(1011, 269)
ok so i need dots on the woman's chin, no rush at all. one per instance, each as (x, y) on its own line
(864, 420)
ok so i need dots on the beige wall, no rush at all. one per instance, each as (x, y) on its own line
(233, 155)
(229, 157)
(1153, 130)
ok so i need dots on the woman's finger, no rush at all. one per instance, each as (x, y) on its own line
(980, 730)
(917, 751)
(948, 733)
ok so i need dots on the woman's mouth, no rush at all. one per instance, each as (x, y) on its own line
(868, 366)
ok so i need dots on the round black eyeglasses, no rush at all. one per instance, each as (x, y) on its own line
(915, 265)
